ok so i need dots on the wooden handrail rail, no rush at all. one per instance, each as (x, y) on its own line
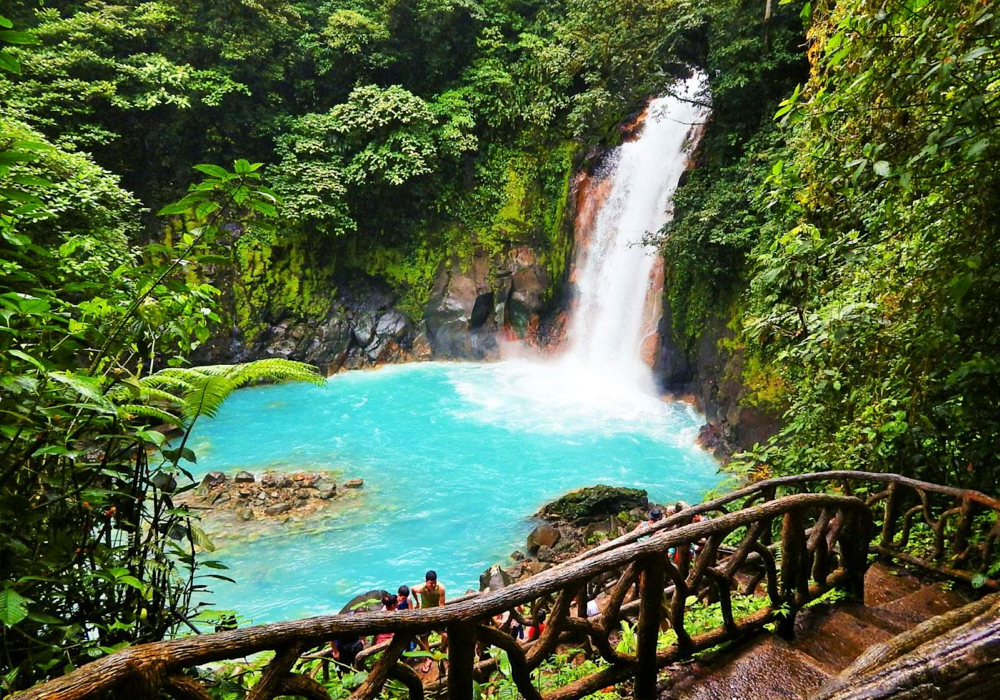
(824, 541)
(761, 487)
(158, 659)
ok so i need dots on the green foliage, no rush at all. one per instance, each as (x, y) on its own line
(95, 555)
(850, 243)
(91, 66)
(873, 300)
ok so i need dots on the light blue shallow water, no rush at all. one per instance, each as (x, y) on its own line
(455, 458)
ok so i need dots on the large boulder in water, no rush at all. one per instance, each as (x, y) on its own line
(494, 578)
(365, 602)
(588, 505)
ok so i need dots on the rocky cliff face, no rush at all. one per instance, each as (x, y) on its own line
(296, 302)
(474, 304)
(710, 371)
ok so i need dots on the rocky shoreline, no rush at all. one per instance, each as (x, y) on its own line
(272, 496)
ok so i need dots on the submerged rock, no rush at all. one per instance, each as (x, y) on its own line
(277, 509)
(213, 479)
(365, 602)
(232, 501)
(354, 483)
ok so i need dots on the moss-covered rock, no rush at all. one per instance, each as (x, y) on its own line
(594, 503)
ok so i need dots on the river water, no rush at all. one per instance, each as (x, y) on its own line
(456, 457)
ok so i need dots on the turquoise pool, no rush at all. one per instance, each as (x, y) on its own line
(455, 458)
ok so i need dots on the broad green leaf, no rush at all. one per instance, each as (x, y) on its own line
(13, 607)
(27, 358)
(214, 171)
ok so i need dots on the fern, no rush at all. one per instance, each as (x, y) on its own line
(200, 391)
(207, 396)
(180, 395)
(131, 410)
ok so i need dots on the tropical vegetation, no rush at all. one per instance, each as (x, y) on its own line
(841, 226)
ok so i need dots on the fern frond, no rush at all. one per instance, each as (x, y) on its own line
(152, 394)
(174, 378)
(131, 410)
(269, 370)
(207, 396)
(200, 391)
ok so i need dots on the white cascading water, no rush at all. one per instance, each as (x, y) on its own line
(607, 327)
(600, 385)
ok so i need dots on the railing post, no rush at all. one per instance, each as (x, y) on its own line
(794, 570)
(461, 660)
(651, 586)
(581, 600)
(889, 515)
(854, 539)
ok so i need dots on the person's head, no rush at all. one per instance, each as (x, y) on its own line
(431, 579)
(655, 514)
(679, 506)
(403, 593)
(389, 601)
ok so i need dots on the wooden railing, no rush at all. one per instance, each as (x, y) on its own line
(775, 540)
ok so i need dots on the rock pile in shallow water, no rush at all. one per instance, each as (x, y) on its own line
(577, 521)
(272, 495)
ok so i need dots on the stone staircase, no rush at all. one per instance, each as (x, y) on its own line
(827, 640)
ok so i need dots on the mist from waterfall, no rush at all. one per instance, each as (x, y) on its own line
(611, 318)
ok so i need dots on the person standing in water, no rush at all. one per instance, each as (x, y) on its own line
(429, 594)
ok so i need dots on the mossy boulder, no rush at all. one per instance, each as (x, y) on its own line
(594, 503)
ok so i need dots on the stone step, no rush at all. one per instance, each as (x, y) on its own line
(766, 668)
(923, 604)
(828, 638)
(834, 638)
(891, 622)
(884, 585)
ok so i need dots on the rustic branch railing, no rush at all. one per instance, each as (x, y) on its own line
(791, 546)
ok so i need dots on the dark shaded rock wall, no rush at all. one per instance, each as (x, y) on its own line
(709, 371)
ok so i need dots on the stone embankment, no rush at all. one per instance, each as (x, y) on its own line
(271, 496)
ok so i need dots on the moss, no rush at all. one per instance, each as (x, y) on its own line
(764, 386)
(595, 503)
(410, 271)
(277, 280)
(520, 198)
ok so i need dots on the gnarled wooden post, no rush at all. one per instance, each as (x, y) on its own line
(461, 659)
(651, 590)
(794, 570)
(854, 537)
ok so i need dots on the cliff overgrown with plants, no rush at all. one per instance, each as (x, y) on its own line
(850, 243)
(397, 136)
(400, 135)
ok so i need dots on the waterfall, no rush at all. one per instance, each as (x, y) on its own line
(614, 270)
